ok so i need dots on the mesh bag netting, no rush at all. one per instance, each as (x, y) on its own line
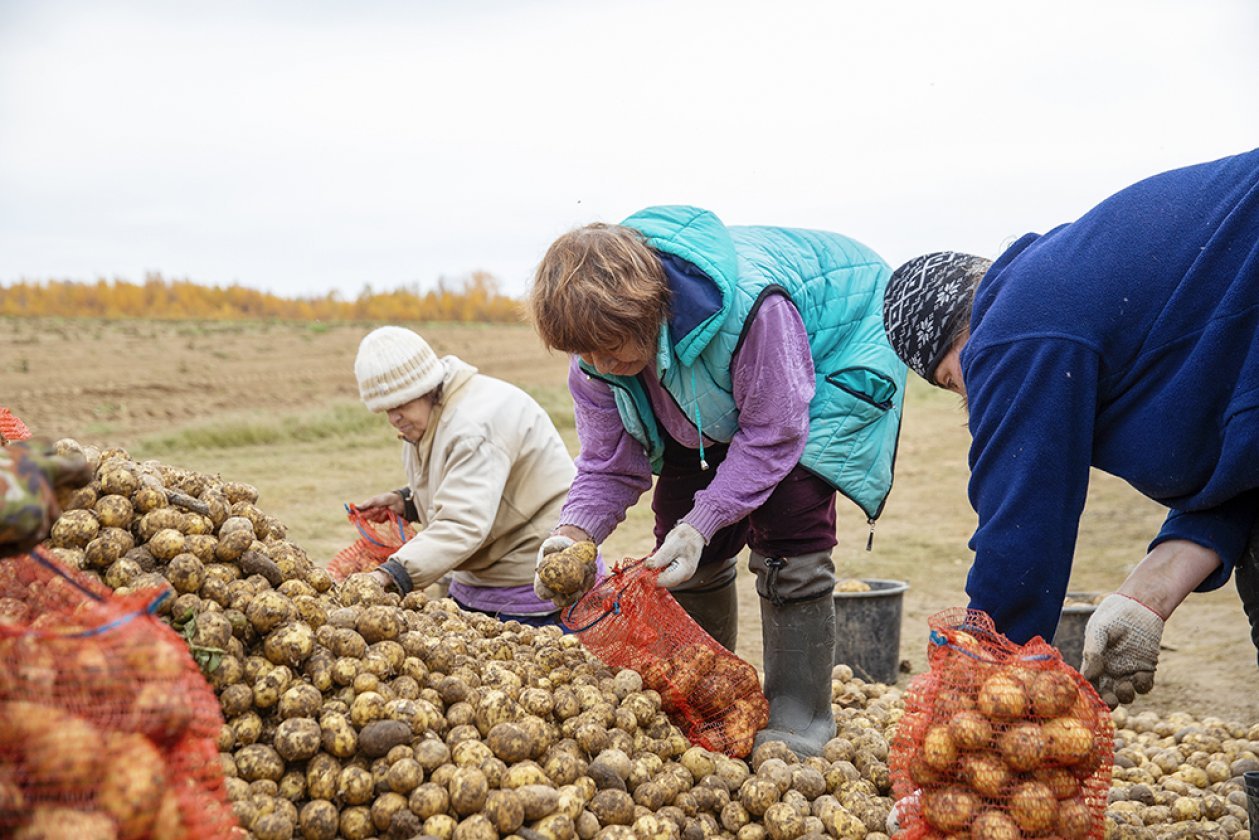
(376, 542)
(999, 740)
(12, 428)
(107, 728)
(713, 696)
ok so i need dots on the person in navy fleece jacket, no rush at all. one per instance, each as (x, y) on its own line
(1127, 340)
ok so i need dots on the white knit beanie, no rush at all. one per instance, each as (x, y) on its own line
(394, 366)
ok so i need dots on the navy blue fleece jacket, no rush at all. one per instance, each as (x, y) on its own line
(1129, 341)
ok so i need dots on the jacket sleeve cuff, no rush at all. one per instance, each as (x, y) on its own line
(1224, 529)
(593, 524)
(399, 574)
(705, 520)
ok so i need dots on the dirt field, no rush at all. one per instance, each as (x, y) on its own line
(276, 405)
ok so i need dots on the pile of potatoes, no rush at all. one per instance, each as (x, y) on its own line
(1180, 777)
(352, 712)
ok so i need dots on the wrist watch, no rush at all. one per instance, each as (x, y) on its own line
(405, 493)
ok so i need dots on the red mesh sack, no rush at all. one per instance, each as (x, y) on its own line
(713, 696)
(11, 428)
(107, 728)
(999, 740)
(376, 542)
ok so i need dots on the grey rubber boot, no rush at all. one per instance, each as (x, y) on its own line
(799, 640)
(716, 610)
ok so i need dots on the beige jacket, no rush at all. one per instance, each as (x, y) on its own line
(488, 480)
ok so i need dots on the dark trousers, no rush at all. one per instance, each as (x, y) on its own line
(798, 517)
(1247, 577)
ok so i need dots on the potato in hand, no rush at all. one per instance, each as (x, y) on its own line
(569, 573)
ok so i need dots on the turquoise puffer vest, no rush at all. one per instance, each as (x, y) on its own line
(718, 275)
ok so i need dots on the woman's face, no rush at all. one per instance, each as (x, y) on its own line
(411, 418)
(624, 360)
(948, 373)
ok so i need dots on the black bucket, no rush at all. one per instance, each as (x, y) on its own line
(1251, 778)
(1069, 638)
(868, 630)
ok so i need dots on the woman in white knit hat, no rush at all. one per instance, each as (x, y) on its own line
(486, 474)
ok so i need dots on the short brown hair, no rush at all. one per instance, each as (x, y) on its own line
(599, 287)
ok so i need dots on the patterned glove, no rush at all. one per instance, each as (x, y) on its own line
(550, 545)
(1121, 642)
(678, 555)
(28, 503)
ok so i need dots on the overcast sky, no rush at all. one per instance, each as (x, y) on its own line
(301, 146)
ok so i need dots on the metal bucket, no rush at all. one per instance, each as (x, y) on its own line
(1069, 638)
(868, 630)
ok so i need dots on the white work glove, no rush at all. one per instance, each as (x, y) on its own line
(1121, 643)
(898, 809)
(678, 555)
(550, 545)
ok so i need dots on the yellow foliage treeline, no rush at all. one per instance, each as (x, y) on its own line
(474, 298)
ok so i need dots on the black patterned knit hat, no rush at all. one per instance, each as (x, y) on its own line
(923, 302)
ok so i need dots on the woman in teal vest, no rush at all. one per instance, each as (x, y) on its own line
(748, 369)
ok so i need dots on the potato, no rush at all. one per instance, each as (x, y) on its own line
(259, 761)
(538, 801)
(1053, 694)
(274, 826)
(146, 499)
(509, 742)
(379, 736)
(297, 739)
(117, 479)
(290, 644)
(1067, 740)
(1022, 746)
(318, 820)
(385, 808)
(356, 824)
(232, 545)
(75, 529)
(166, 543)
(63, 751)
(51, 822)
(995, 825)
(783, 821)
(130, 789)
(1002, 698)
(468, 790)
(114, 511)
(268, 610)
(339, 737)
(1059, 780)
(569, 572)
(300, 701)
(985, 773)
(938, 748)
(378, 623)
(1033, 807)
(970, 730)
(505, 810)
(949, 809)
(1075, 820)
(757, 795)
(612, 807)
(185, 572)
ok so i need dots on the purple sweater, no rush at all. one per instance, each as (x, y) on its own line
(773, 384)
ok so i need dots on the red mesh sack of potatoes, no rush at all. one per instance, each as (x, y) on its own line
(999, 740)
(107, 728)
(376, 542)
(12, 428)
(713, 696)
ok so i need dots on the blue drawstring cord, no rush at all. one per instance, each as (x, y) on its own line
(699, 422)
